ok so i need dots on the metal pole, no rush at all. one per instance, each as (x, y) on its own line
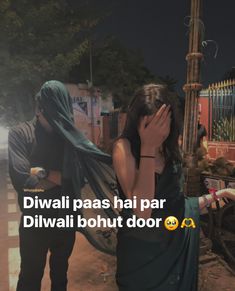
(192, 88)
(193, 85)
(91, 89)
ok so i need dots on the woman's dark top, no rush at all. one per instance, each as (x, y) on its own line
(174, 205)
(154, 258)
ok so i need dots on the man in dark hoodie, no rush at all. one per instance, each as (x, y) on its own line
(35, 162)
(51, 154)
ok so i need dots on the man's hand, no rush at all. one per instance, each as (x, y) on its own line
(52, 179)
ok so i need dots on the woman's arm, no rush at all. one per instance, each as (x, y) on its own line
(223, 193)
(141, 182)
(203, 202)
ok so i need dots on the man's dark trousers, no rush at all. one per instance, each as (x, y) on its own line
(34, 246)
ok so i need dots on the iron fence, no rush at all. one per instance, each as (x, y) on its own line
(222, 111)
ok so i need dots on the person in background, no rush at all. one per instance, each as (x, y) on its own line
(201, 133)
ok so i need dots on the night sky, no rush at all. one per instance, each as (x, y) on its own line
(157, 29)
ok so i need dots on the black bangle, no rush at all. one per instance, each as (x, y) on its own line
(150, 157)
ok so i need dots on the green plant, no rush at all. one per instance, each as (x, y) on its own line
(224, 129)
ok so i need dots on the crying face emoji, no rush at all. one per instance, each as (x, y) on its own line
(171, 223)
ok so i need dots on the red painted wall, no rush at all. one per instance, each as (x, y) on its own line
(204, 109)
(216, 149)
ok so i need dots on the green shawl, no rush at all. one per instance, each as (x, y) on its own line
(90, 168)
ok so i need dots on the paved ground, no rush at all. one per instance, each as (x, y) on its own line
(89, 269)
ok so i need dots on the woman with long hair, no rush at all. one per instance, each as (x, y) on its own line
(148, 165)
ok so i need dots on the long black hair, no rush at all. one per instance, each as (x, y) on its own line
(146, 101)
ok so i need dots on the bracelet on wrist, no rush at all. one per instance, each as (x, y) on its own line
(147, 156)
(214, 195)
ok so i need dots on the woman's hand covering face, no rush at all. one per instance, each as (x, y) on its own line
(155, 132)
